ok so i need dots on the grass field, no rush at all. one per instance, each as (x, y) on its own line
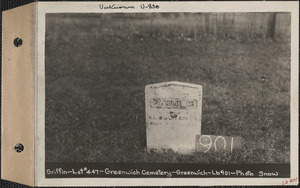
(97, 70)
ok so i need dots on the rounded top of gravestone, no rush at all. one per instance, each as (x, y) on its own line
(173, 83)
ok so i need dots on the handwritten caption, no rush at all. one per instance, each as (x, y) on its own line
(289, 181)
(135, 172)
(127, 7)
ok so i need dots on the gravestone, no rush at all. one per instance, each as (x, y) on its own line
(173, 116)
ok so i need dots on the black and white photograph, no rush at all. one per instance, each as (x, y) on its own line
(97, 67)
(167, 94)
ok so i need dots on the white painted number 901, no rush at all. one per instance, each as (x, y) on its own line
(207, 142)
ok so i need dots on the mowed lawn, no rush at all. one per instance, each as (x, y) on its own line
(96, 73)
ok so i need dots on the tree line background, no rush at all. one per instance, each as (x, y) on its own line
(187, 26)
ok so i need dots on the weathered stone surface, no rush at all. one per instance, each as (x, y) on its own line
(205, 143)
(173, 116)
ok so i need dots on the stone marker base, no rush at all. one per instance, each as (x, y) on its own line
(162, 150)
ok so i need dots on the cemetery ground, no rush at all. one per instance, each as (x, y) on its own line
(95, 100)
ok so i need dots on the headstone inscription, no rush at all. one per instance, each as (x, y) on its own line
(173, 116)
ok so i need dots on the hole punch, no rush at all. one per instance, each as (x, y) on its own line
(18, 42)
(19, 147)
